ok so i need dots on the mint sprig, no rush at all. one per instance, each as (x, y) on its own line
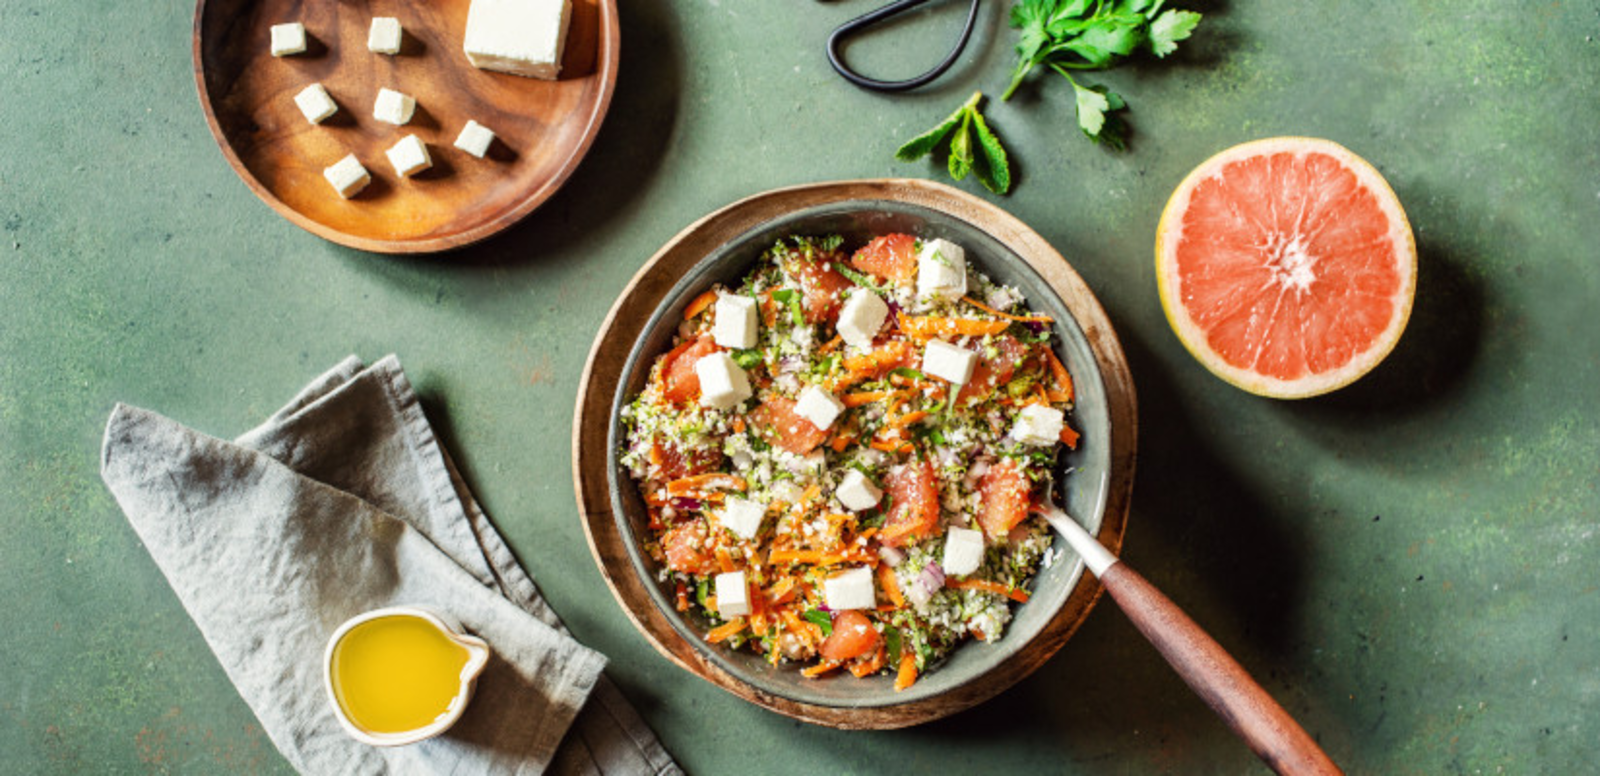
(973, 147)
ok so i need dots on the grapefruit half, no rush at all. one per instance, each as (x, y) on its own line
(1286, 266)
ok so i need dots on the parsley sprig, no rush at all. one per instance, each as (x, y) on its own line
(992, 167)
(1068, 35)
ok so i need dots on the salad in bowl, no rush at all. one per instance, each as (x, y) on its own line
(839, 454)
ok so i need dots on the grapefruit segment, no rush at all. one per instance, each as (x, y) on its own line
(1286, 266)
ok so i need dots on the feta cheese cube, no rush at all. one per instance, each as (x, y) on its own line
(288, 39)
(941, 359)
(722, 383)
(861, 317)
(475, 139)
(383, 37)
(1039, 425)
(347, 176)
(315, 103)
(409, 156)
(521, 37)
(393, 107)
(742, 517)
(963, 551)
(850, 590)
(733, 595)
(734, 323)
(941, 271)
(857, 492)
(818, 406)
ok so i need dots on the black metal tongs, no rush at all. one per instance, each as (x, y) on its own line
(850, 28)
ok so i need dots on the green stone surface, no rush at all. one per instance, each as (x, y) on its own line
(1409, 565)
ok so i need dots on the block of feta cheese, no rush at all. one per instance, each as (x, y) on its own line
(733, 595)
(315, 103)
(521, 37)
(475, 139)
(963, 551)
(857, 492)
(1039, 425)
(347, 176)
(383, 37)
(818, 406)
(409, 156)
(393, 107)
(850, 590)
(861, 317)
(722, 383)
(288, 39)
(734, 321)
(742, 517)
(941, 271)
(941, 359)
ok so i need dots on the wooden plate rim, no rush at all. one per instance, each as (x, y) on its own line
(606, 60)
(644, 292)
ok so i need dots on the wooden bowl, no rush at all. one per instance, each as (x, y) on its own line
(722, 247)
(543, 127)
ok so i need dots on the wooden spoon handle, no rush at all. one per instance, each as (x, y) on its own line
(1216, 677)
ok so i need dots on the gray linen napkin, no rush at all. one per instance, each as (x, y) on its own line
(344, 501)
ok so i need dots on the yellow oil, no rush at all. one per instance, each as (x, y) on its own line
(396, 674)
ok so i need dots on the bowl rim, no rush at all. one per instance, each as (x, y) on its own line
(642, 301)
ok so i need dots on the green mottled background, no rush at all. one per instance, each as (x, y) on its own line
(1411, 565)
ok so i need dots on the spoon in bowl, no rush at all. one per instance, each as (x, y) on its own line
(1208, 669)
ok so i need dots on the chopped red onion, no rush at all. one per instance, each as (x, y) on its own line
(926, 584)
(892, 555)
(687, 504)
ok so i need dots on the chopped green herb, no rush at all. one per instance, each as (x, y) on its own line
(747, 359)
(791, 298)
(860, 279)
(821, 620)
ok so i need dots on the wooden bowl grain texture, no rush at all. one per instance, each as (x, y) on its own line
(544, 128)
(626, 326)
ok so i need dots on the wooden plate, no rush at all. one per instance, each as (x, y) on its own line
(710, 250)
(544, 127)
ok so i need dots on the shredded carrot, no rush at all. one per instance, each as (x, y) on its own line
(816, 557)
(703, 482)
(976, 633)
(827, 347)
(683, 597)
(810, 493)
(819, 669)
(738, 425)
(724, 631)
(769, 309)
(907, 419)
(1069, 437)
(930, 326)
(1016, 594)
(890, 585)
(841, 442)
(699, 304)
(725, 560)
(908, 672)
(783, 592)
(889, 446)
(1059, 374)
(1008, 316)
(866, 397)
(868, 667)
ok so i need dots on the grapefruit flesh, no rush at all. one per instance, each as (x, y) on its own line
(1286, 266)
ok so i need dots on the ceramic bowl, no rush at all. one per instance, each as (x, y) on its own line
(1095, 490)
